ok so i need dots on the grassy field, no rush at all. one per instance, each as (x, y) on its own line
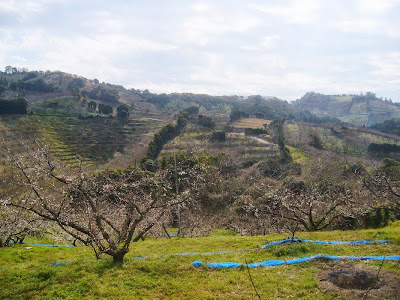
(28, 274)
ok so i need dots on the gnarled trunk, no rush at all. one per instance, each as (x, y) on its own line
(118, 256)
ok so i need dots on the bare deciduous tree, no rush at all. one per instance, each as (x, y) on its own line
(314, 206)
(384, 184)
(15, 225)
(107, 210)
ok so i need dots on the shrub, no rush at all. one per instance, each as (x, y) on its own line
(218, 136)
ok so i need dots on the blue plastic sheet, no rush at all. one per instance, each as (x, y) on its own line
(197, 263)
(298, 260)
(267, 263)
(224, 265)
(272, 263)
(47, 245)
(360, 242)
(60, 264)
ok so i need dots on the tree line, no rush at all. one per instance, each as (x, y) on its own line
(166, 134)
(16, 106)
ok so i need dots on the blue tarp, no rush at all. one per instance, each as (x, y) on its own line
(360, 242)
(224, 265)
(298, 260)
(60, 263)
(140, 257)
(267, 263)
(197, 263)
(47, 245)
(273, 262)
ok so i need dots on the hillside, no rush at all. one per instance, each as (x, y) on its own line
(359, 110)
(98, 165)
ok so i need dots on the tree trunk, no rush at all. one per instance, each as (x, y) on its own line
(118, 257)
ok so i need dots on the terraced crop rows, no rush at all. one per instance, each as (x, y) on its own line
(95, 140)
(239, 146)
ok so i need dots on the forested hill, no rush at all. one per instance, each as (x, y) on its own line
(39, 86)
(358, 110)
(44, 89)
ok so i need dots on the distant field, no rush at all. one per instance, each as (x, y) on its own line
(250, 123)
(355, 119)
(344, 98)
(26, 271)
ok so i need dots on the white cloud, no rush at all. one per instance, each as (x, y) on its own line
(217, 47)
(23, 9)
(202, 7)
(201, 28)
(386, 65)
(376, 7)
(267, 42)
(296, 11)
(367, 26)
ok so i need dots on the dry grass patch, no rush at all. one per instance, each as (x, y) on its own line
(250, 123)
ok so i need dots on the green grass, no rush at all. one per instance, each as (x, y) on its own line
(298, 156)
(27, 274)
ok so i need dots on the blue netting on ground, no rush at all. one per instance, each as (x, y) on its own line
(47, 245)
(360, 242)
(272, 263)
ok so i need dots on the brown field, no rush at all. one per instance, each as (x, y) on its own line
(250, 123)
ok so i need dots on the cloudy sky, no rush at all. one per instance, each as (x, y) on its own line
(273, 48)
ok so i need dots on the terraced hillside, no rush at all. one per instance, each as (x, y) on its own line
(95, 139)
(238, 145)
(359, 110)
(339, 139)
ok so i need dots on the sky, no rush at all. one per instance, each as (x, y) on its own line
(279, 48)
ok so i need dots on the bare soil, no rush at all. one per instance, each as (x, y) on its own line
(353, 280)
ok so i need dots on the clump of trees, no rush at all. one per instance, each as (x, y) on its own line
(389, 126)
(284, 151)
(35, 84)
(206, 121)
(123, 111)
(102, 93)
(255, 131)
(16, 106)
(105, 109)
(385, 148)
(237, 115)
(167, 133)
(92, 105)
(218, 136)
(316, 142)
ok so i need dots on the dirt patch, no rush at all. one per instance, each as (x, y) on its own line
(354, 279)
